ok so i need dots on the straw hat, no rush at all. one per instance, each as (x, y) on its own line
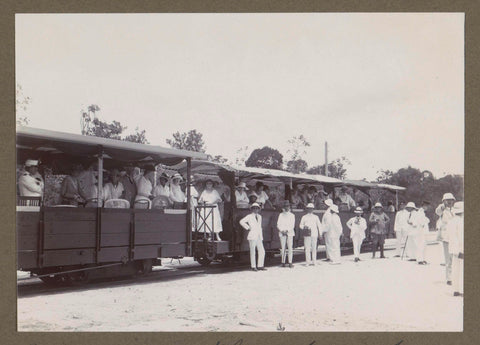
(378, 205)
(177, 176)
(448, 196)
(310, 205)
(31, 163)
(242, 185)
(358, 210)
(255, 205)
(334, 208)
(410, 204)
(328, 202)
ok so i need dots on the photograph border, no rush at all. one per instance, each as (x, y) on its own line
(8, 310)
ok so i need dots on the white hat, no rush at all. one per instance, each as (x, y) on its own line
(378, 205)
(255, 205)
(31, 163)
(177, 176)
(358, 210)
(410, 204)
(310, 205)
(448, 196)
(458, 207)
(329, 202)
(242, 185)
(334, 208)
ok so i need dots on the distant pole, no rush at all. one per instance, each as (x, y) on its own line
(326, 159)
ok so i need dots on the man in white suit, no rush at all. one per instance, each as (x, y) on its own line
(311, 223)
(325, 220)
(333, 229)
(455, 237)
(253, 224)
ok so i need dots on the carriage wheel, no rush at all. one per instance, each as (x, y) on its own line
(144, 266)
(203, 260)
(78, 278)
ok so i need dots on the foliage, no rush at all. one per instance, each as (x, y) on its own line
(218, 159)
(336, 168)
(192, 141)
(241, 155)
(21, 105)
(297, 150)
(92, 125)
(266, 157)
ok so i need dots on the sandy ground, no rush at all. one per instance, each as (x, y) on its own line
(372, 295)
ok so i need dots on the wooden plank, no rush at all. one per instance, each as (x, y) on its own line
(172, 250)
(66, 241)
(115, 226)
(166, 223)
(111, 240)
(148, 238)
(146, 252)
(27, 218)
(70, 227)
(68, 257)
(26, 259)
(113, 254)
(73, 214)
(27, 242)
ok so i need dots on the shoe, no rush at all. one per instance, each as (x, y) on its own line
(457, 294)
(359, 259)
(421, 262)
(290, 265)
(382, 257)
(283, 265)
(254, 269)
(396, 256)
(262, 269)
(327, 260)
(356, 259)
(412, 259)
(442, 265)
(449, 282)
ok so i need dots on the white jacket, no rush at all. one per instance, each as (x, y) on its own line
(253, 225)
(455, 235)
(332, 224)
(357, 230)
(401, 218)
(313, 222)
(30, 185)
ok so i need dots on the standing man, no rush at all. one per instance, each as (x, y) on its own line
(286, 232)
(401, 227)
(455, 236)
(30, 182)
(253, 224)
(333, 229)
(357, 226)
(410, 249)
(445, 214)
(310, 224)
(378, 222)
(326, 220)
(420, 223)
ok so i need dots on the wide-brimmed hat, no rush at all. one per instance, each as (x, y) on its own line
(31, 163)
(164, 176)
(310, 205)
(410, 204)
(328, 202)
(378, 205)
(458, 207)
(343, 188)
(255, 205)
(177, 176)
(286, 203)
(242, 185)
(358, 210)
(259, 183)
(334, 208)
(448, 196)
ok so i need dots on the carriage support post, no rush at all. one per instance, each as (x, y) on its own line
(188, 248)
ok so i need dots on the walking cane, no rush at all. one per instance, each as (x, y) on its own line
(404, 246)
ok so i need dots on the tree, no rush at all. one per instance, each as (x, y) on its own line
(297, 150)
(21, 105)
(241, 155)
(336, 168)
(217, 159)
(92, 125)
(266, 157)
(192, 141)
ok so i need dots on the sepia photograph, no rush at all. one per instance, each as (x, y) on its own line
(240, 172)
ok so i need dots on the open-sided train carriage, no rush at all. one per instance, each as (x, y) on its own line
(98, 241)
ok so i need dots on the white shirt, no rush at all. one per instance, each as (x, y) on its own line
(401, 219)
(253, 223)
(420, 221)
(445, 214)
(286, 222)
(210, 197)
(176, 193)
(357, 230)
(160, 190)
(144, 187)
(347, 199)
(261, 198)
(241, 197)
(30, 185)
(455, 235)
(112, 192)
(311, 221)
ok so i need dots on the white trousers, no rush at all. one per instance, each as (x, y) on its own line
(420, 245)
(401, 238)
(334, 245)
(326, 239)
(410, 246)
(310, 244)
(286, 241)
(448, 261)
(357, 244)
(457, 274)
(258, 244)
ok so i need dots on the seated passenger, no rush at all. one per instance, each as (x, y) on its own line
(69, 190)
(262, 197)
(211, 197)
(30, 182)
(128, 182)
(311, 194)
(114, 189)
(92, 195)
(241, 196)
(145, 186)
(346, 199)
(297, 202)
(320, 199)
(162, 189)
(176, 193)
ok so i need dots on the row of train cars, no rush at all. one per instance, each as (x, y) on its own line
(74, 244)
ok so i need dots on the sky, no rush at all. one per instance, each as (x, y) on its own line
(384, 90)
